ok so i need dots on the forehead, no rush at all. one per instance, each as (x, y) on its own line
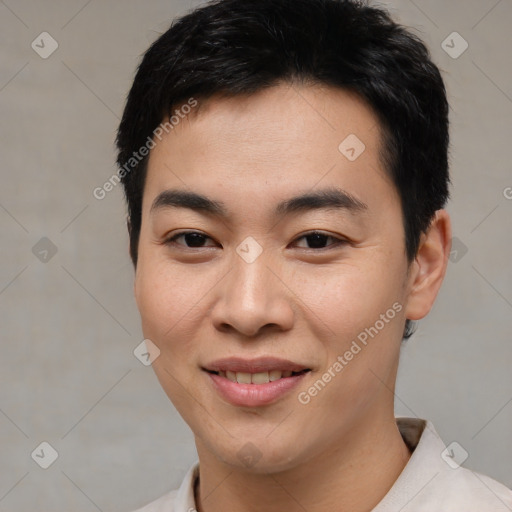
(272, 143)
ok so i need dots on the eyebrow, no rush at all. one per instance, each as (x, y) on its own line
(327, 198)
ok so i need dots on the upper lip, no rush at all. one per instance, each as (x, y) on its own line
(260, 364)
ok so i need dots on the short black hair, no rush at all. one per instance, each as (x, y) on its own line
(236, 47)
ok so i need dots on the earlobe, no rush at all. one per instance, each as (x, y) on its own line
(429, 266)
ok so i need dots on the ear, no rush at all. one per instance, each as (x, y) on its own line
(429, 267)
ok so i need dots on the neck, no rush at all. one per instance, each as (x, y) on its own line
(353, 474)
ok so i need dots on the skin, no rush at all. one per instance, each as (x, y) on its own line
(342, 450)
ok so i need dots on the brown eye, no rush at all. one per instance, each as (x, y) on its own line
(193, 239)
(318, 240)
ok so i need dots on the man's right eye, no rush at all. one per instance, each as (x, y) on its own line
(193, 239)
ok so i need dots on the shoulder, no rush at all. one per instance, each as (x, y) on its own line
(474, 491)
(177, 500)
(432, 480)
(163, 504)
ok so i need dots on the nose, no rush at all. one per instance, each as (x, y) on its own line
(251, 298)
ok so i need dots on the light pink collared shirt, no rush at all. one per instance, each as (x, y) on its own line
(432, 481)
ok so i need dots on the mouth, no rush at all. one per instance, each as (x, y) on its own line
(262, 377)
(254, 382)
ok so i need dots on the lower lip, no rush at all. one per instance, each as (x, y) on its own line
(254, 395)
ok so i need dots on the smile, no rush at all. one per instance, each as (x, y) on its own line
(254, 389)
(259, 377)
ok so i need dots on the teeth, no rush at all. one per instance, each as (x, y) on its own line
(260, 378)
(230, 375)
(255, 378)
(243, 378)
(274, 375)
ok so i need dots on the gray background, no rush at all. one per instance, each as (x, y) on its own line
(69, 325)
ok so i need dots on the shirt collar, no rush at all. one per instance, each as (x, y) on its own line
(185, 500)
(424, 465)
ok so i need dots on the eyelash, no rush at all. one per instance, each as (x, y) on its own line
(339, 241)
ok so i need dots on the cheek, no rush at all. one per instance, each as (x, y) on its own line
(358, 312)
(165, 295)
(166, 304)
(348, 299)
(166, 298)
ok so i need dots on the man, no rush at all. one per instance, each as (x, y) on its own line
(285, 168)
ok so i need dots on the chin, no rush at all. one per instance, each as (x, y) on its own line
(258, 455)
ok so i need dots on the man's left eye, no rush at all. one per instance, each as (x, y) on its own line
(318, 240)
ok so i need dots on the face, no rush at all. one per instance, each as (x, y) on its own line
(254, 283)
